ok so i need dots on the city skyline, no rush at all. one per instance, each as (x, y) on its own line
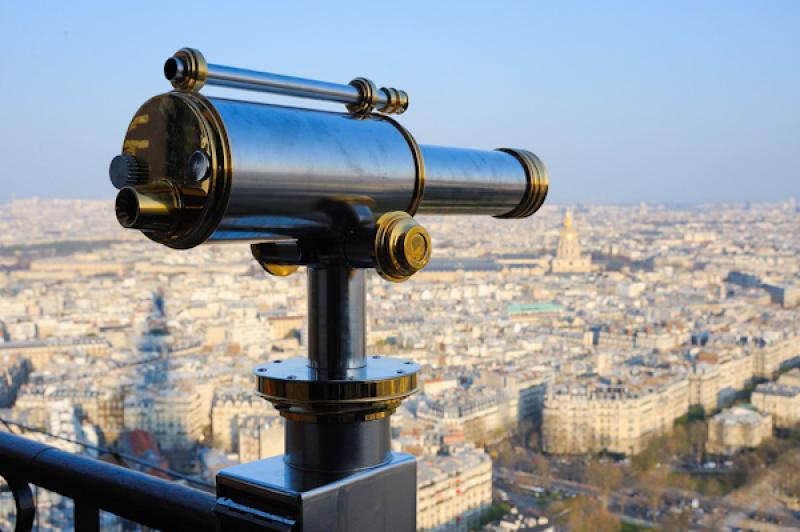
(681, 102)
(654, 335)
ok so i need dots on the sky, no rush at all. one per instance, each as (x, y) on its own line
(679, 101)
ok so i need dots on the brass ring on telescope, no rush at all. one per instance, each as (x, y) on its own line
(196, 70)
(419, 163)
(372, 392)
(537, 184)
(369, 96)
(396, 101)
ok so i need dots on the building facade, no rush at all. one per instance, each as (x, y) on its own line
(569, 258)
(579, 419)
(737, 428)
(452, 490)
(782, 401)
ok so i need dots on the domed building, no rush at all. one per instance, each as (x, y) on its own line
(568, 256)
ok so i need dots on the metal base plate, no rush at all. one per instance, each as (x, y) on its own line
(269, 495)
(370, 392)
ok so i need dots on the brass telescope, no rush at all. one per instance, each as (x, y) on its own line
(336, 192)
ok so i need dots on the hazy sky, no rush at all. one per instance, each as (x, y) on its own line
(624, 101)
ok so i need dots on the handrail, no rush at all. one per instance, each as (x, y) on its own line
(96, 485)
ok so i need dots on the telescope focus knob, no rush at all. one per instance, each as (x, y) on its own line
(126, 170)
(402, 246)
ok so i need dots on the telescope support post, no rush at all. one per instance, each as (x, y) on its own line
(336, 319)
(338, 469)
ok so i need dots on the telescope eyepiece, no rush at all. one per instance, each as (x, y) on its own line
(148, 208)
(174, 69)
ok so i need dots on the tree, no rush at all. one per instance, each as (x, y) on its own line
(680, 440)
(652, 484)
(665, 448)
(697, 413)
(605, 477)
(645, 460)
(788, 471)
(589, 515)
(747, 468)
(698, 436)
(541, 468)
(678, 520)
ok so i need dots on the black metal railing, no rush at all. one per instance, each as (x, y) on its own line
(94, 485)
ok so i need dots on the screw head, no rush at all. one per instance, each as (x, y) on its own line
(199, 166)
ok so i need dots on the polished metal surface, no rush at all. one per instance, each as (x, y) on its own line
(537, 184)
(301, 392)
(402, 246)
(269, 172)
(292, 163)
(348, 446)
(465, 181)
(239, 78)
(274, 496)
(188, 70)
(336, 318)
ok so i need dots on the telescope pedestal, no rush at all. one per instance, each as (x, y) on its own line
(270, 495)
(338, 473)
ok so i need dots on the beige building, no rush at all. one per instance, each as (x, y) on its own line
(714, 381)
(478, 413)
(568, 255)
(791, 378)
(174, 416)
(260, 437)
(452, 490)
(229, 406)
(782, 401)
(104, 407)
(737, 428)
(40, 352)
(580, 418)
(768, 359)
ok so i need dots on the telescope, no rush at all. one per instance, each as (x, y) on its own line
(336, 192)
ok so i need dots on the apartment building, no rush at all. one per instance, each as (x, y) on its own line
(453, 489)
(620, 418)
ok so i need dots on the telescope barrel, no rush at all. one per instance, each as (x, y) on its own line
(229, 170)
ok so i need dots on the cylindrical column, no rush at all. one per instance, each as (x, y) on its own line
(273, 172)
(188, 70)
(336, 320)
(337, 447)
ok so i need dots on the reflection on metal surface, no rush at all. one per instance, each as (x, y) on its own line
(371, 392)
(187, 69)
(147, 208)
(279, 270)
(538, 184)
(402, 246)
(269, 172)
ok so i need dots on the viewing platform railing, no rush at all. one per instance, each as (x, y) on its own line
(94, 485)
